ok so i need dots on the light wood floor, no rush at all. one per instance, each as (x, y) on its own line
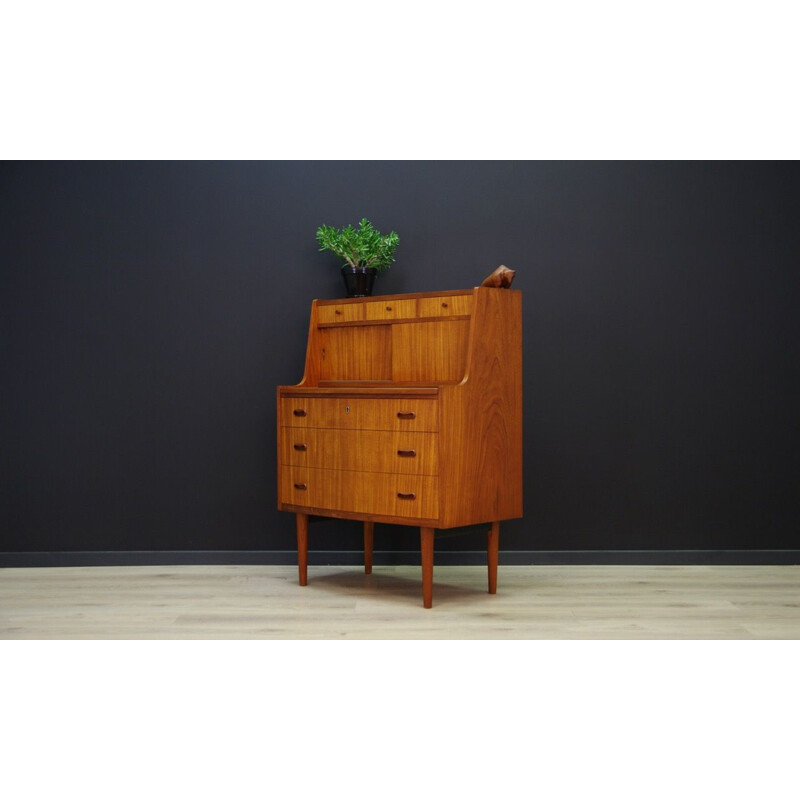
(533, 602)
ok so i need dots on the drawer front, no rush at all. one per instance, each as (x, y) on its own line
(445, 306)
(346, 312)
(391, 309)
(412, 496)
(367, 451)
(360, 413)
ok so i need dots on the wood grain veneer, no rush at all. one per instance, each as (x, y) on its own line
(429, 351)
(481, 444)
(411, 453)
(390, 309)
(347, 354)
(400, 496)
(341, 312)
(360, 413)
(444, 305)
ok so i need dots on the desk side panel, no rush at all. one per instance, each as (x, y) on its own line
(313, 348)
(481, 418)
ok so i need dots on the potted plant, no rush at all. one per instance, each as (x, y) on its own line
(365, 251)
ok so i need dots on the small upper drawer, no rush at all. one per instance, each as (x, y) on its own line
(391, 309)
(361, 413)
(344, 312)
(445, 306)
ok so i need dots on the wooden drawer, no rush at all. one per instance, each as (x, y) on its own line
(345, 312)
(367, 451)
(360, 413)
(444, 306)
(412, 496)
(391, 309)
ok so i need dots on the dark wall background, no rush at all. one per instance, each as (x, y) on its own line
(150, 309)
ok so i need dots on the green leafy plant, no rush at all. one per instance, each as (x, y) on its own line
(359, 247)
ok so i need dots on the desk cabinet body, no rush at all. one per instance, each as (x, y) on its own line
(409, 412)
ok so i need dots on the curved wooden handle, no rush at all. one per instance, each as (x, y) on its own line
(301, 486)
(407, 495)
(299, 412)
(406, 415)
(407, 453)
(300, 447)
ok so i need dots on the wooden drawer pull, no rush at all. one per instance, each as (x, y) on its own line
(404, 453)
(301, 486)
(406, 415)
(407, 495)
(299, 412)
(301, 447)
(337, 311)
(388, 308)
(444, 305)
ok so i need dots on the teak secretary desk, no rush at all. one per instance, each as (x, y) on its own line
(409, 412)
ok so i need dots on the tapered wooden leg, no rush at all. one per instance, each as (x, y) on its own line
(302, 547)
(369, 528)
(426, 548)
(492, 546)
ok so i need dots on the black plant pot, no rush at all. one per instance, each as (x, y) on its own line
(358, 280)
